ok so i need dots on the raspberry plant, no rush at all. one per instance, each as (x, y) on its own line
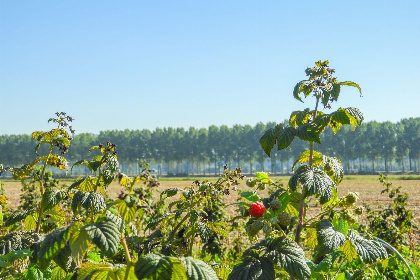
(330, 238)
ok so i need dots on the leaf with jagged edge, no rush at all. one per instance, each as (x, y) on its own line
(87, 184)
(169, 192)
(326, 263)
(18, 215)
(305, 86)
(30, 222)
(298, 118)
(309, 132)
(340, 116)
(315, 182)
(285, 137)
(79, 199)
(349, 250)
(127, 213)
(124, 180)
(253, 267)
(157, 219)
(33, 272)
(329, 239)
(305, 156)
(289, 255)
(51, 246)
(352, 84)
(101, 271)
(51, 197)
(311, 238)
(157, 266)
(79, 243)
(22, 172)
(54, 160)
(108, 176)
(95, 202)
(204, 231)
(198, 270)
(268, 140)
(219, 228)
(112, 161)
(105, 235)
(58, 273)
(8, 259)
(369, 251)
(333, 168)
(64, 259)
(355, 116)
(117, 220)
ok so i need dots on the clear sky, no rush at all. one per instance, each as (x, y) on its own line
(148, 64)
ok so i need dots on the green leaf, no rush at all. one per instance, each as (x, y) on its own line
(352, 84)
(349, 250)
(17, 216)
(88, 200)
(127, 213)
(369, 250)
(51, 197)
(309, 132)
(268, 140)
(285, 137)
(33, 272)
(204, 231)
(79, 244)
(8, 259)
(251, 196)
(311, 238)
(289, 255)
(169, 192)
(340, 116)
(263, 177)
(64, 259)
(58, 273)
(157, 219)
(305, 86)
(79, 199)
(253, 267)
(22, 172)
(341, 225)
(52, 245)
(159, 267)
(333, 168)
(305, 156)
(326, 263)
(314, 181)
(105, 235)
(198, 270)
(92, 271)
(108, 176)
(30, 222)
(329, 239)
(298, 118)
(355, 116)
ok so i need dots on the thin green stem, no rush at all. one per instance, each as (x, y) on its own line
(42, 190)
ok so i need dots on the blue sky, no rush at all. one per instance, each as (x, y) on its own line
(148, 64)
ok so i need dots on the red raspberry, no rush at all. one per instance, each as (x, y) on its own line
(256, 209)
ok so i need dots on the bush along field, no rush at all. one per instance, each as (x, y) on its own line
(78, 232)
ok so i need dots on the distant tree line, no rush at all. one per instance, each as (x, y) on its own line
(375, 146)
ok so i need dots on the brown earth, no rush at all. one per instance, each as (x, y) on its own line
(368, 187)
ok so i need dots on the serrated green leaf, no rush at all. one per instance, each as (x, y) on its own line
(51, 197)
(369, 250)
(349, 250)
(198, 270)
(314, 181)
(268, 140)
(30, 222)
(333, 168)
(51, 246)
(79, 244)
(33, 272)
(127, 213)
(58, 273)
(108, 176)
(17, 216)
(263, 177)
(115, 219)
(253, 267)
(352, 84)
(341, 225)
(157, 219)
(219, 228)
(340, 116)
(8, 259)
(329, 239)
(355, 116)
(309, 132)
(305, 156)
(105, 235)
(204, 231)
(64, 259)
(159, 267)
(22, 172)
(251, 196)
(79, 199)
(285, 137)
(288, 255)
(311, 238)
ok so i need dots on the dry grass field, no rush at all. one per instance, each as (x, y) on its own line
(368, 187)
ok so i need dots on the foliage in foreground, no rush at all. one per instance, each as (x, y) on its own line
(78, 232)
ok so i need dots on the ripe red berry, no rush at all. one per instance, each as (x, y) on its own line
(256, 209)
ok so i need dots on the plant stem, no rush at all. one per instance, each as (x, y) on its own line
(302, 196)
(42, 190)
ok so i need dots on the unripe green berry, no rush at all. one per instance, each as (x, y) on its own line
(351, 198)
(275, 205)
(250, 182)
(284, 219)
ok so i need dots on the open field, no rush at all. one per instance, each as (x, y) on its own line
(368, 187)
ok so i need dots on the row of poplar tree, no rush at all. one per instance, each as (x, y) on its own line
(375, 146)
